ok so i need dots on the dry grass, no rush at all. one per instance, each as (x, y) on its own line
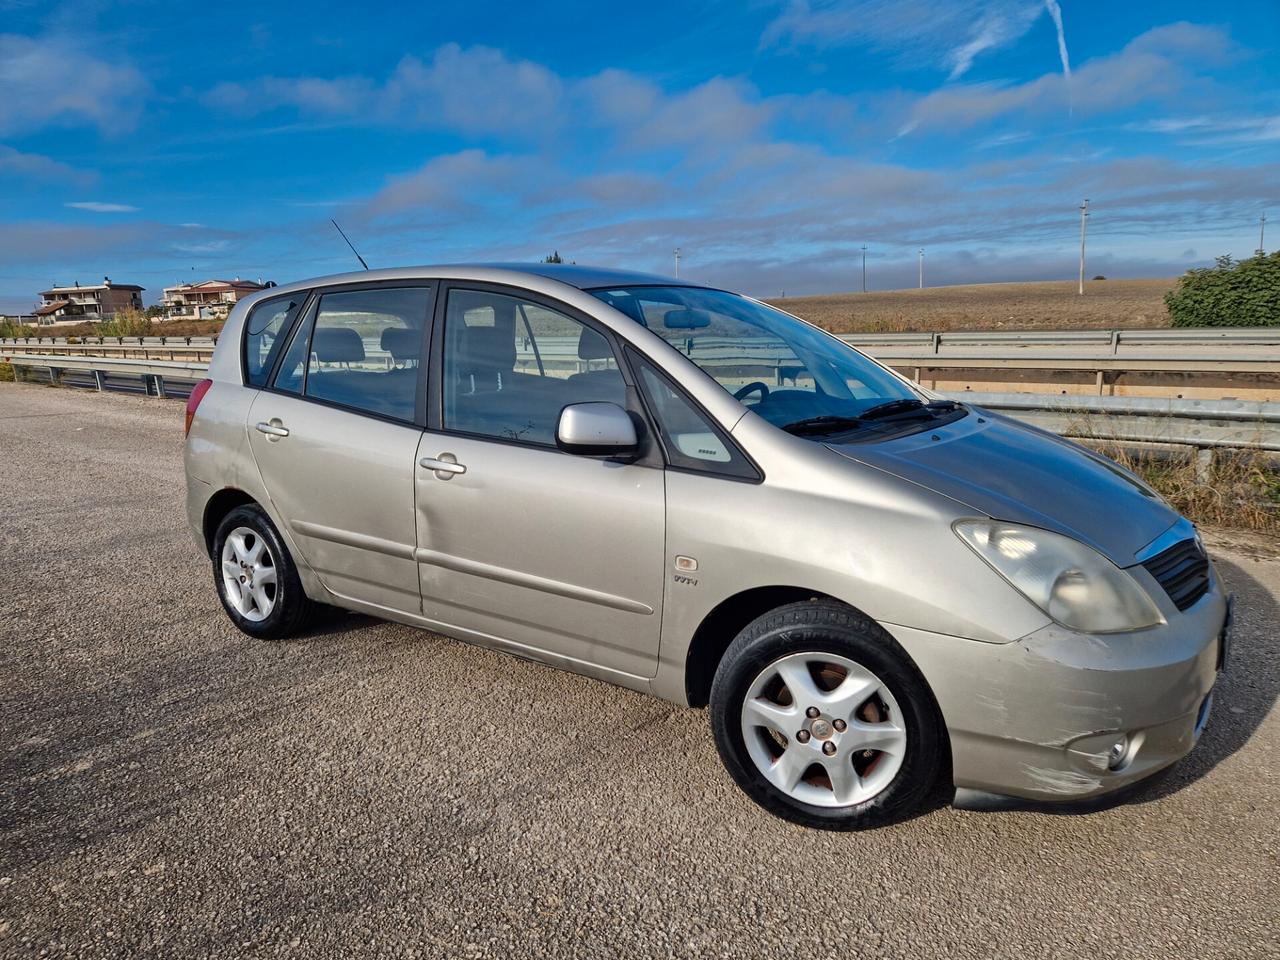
(6, 373)
(1106, 304)
(159, 328)
(1240, 491)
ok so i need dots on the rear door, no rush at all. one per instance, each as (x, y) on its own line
(519, 541)
(335, 436)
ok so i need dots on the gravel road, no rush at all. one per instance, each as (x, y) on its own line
(171, 788)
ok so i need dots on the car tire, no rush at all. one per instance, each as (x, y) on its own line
(256, 578)
(858, 690)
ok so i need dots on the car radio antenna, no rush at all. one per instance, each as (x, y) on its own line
(349, 243)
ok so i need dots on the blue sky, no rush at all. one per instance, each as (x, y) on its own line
(156, 142)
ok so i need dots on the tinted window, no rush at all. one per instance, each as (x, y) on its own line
(511, 365)
(363, 350)
(268, 323)
(690, 439)
(780, 367)
(293, 367)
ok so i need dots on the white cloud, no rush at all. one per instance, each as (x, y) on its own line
(35, 166)
(1153, 67)
(474, 90)
(1208, 130)
(62, 81)
(97, 206)
(950, 34)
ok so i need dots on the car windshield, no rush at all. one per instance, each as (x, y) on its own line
(788, 372)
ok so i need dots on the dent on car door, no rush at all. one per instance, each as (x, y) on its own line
(335, 436)
(518, 541)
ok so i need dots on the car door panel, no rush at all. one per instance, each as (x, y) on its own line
(557, 552)
(345, 483)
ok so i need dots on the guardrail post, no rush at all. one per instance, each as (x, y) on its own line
(160, 391)
(98, 380)
(935, 338)
(55, 375)
(1204, 464)
(1115, 341)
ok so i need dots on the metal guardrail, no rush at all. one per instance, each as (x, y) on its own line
(1200, 424)
(158, 378)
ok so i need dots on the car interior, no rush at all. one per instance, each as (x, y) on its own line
(493, 389)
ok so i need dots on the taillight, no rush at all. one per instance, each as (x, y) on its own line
(193, 401)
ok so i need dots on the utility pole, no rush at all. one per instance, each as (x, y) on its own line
(1084, 214)
(1262, 234)
(922, 268)
(864, 268)
(677, 263)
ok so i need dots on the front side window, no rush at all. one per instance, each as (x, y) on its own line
(689, 437)
(788, 372)
(511, 365)
(360, 349)
(264, 331)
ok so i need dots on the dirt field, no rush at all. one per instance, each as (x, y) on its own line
(1106, 304)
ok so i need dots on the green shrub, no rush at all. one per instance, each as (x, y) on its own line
(1243, 293)
(126, 323)
(9, 330)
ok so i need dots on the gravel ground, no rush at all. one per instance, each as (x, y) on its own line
(169, 787)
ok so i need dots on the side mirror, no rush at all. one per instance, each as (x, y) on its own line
(596, 429)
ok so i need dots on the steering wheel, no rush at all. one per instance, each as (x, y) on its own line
(755, 386)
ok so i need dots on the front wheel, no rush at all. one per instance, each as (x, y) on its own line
(822, 719)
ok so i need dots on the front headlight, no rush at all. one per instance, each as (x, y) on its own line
(1073, 584)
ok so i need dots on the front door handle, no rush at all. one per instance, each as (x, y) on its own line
(274, 429)
(446, 466)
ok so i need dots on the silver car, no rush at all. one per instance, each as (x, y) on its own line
(879, 593)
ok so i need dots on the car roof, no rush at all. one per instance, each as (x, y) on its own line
(581, 277)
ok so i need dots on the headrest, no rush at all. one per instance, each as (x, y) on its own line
(402, 343)
(593, 346)
(487, 348)
(337, 345)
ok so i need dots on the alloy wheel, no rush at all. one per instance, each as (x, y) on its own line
(249, 574)
(823, 729)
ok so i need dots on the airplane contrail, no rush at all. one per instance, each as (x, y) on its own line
(1056, 12)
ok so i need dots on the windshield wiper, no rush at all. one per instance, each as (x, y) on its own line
(823, 424)
(891, 408)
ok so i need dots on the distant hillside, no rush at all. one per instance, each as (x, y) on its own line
(991, 306)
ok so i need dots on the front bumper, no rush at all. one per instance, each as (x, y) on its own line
(1037, 718)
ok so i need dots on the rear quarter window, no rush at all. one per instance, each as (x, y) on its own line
(264, 334)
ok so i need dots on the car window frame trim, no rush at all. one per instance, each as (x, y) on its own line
(312, 301)
(651, 453)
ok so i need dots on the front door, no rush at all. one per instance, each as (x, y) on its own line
(335, 437)
(519, 541)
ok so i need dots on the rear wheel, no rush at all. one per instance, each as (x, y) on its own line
(822, 719)
(256, 578)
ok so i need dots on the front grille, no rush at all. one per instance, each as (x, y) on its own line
(1183, 571)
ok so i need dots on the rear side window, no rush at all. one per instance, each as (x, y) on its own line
(362, 351)
(690, 439)
(264, 333)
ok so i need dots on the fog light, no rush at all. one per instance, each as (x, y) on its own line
(1119, 753)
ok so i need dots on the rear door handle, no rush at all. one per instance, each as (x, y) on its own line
(274, 429)
(445, 466)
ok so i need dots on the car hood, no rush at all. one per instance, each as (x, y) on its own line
(1017, 473)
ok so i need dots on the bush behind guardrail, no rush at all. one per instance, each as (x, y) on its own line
(1243, 293)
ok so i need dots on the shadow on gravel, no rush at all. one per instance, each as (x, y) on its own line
(84, 762)
(1244, 696)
